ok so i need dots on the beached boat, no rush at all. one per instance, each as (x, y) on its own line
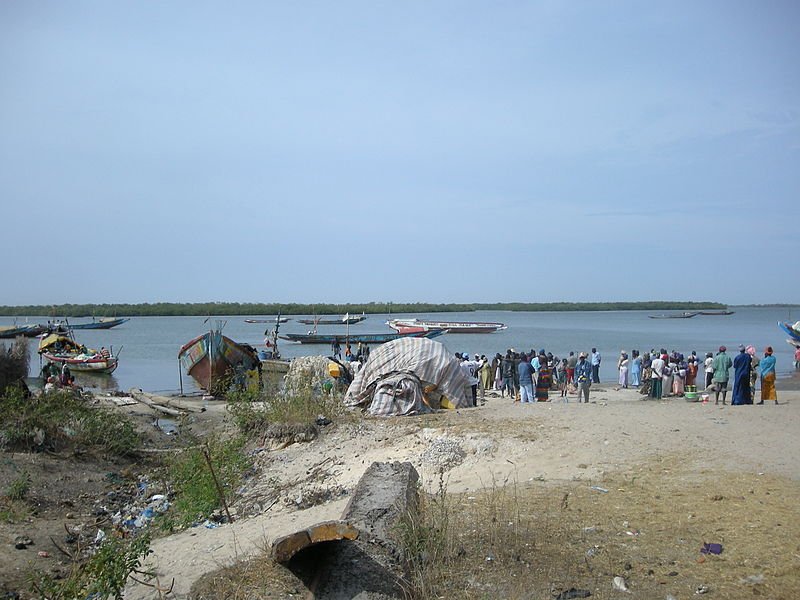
(364, 338)
(715, 313)
(345, 320)
(212, 359)
(792, 330)
(417, 325)
(99, 324)
(61, 350)
(684, 315)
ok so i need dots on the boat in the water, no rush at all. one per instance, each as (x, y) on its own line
(716, 313)
(792, 330)
(269, 320)
(214, 361)
(12, 331)
(345, 320)
(417, 325)
(62, 350)
(363, 338)
(103, 323)
(683, 315)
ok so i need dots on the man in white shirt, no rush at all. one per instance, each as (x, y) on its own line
(657, 367)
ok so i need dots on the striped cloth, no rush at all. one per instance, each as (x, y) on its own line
(393, 379)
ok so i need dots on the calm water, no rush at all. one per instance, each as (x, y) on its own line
(148, 346)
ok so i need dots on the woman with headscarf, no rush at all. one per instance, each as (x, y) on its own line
(543, 380)
(754, 371)
(622, 366)
(767, 368)
(741, 378)
(636, 368)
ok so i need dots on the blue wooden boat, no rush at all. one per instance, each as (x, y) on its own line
(101, 324)
(793, 333)
(364, 338)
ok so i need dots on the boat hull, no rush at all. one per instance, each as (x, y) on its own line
(211, 358)
(342, 321)
(94, 364)
(364, 338)
(417, 325)
(101, 324)
(793, 333)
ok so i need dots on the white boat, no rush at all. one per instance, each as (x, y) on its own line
(418, 325)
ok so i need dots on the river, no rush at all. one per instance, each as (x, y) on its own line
(148, 346)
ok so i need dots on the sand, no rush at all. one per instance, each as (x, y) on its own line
(551, 442)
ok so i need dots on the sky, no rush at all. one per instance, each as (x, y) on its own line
(421, 151)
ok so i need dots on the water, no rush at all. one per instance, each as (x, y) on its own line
(148, 346)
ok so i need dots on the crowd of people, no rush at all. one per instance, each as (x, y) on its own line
(532, 376)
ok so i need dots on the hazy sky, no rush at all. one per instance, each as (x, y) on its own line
(399, 151)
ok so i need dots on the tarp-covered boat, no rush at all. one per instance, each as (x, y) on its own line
(409, 376)
(62, 350)
(214, 360)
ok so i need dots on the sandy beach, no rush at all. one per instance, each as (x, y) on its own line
(545, 444)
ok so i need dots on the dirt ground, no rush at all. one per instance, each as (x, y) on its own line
(647, 483)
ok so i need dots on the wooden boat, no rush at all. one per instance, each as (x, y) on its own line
(685, 315)
(12, 331)
(211, 359)
(715, 313)
(792, 330)
(100, 324)
(364, 338)
(271, 320)
(62, 350)
(345, 320)
(416, 325)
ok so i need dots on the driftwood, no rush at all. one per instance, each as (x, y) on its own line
(146, 399)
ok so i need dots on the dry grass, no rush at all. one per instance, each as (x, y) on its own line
(535, 540)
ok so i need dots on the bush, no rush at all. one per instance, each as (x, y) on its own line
(14, 364)
(61, 420)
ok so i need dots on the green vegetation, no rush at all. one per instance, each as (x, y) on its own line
(14, 364)
(62, 420)
(18, 489)
(102, 575)
(170, 309)
(196, 493)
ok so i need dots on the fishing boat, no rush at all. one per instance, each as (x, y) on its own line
(213, 360)
(12, 331)
(269, 320)
(103, 323)
(715, 313)
(270, 357)
(62, 350)
(417, 325)
(364, 338)
(684, 315)
(792, 330)
(345, 320)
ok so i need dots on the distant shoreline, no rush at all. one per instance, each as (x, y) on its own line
(169, 309)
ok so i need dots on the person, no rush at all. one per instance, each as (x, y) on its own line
(622, 367)
(754, 371)
(525, 380)
(708, 365)
(646, 378)
(741, 378)
(508, 367)
(636, 368)
(595, 366)
(561, 376)
(797, 359)
(486, 373)
(497, 362)
(66, 375)
(543, 379)
(583, 377)
(656, 376)
(50, 386)
(767, 368)
(348, 353)
(691, 370)
(668, 376)
(470, 369)
(336, 349)
(722, 364)
(679, 377)
(572, 362)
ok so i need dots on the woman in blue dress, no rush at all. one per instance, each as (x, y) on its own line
(636, 369)
(741, 378)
